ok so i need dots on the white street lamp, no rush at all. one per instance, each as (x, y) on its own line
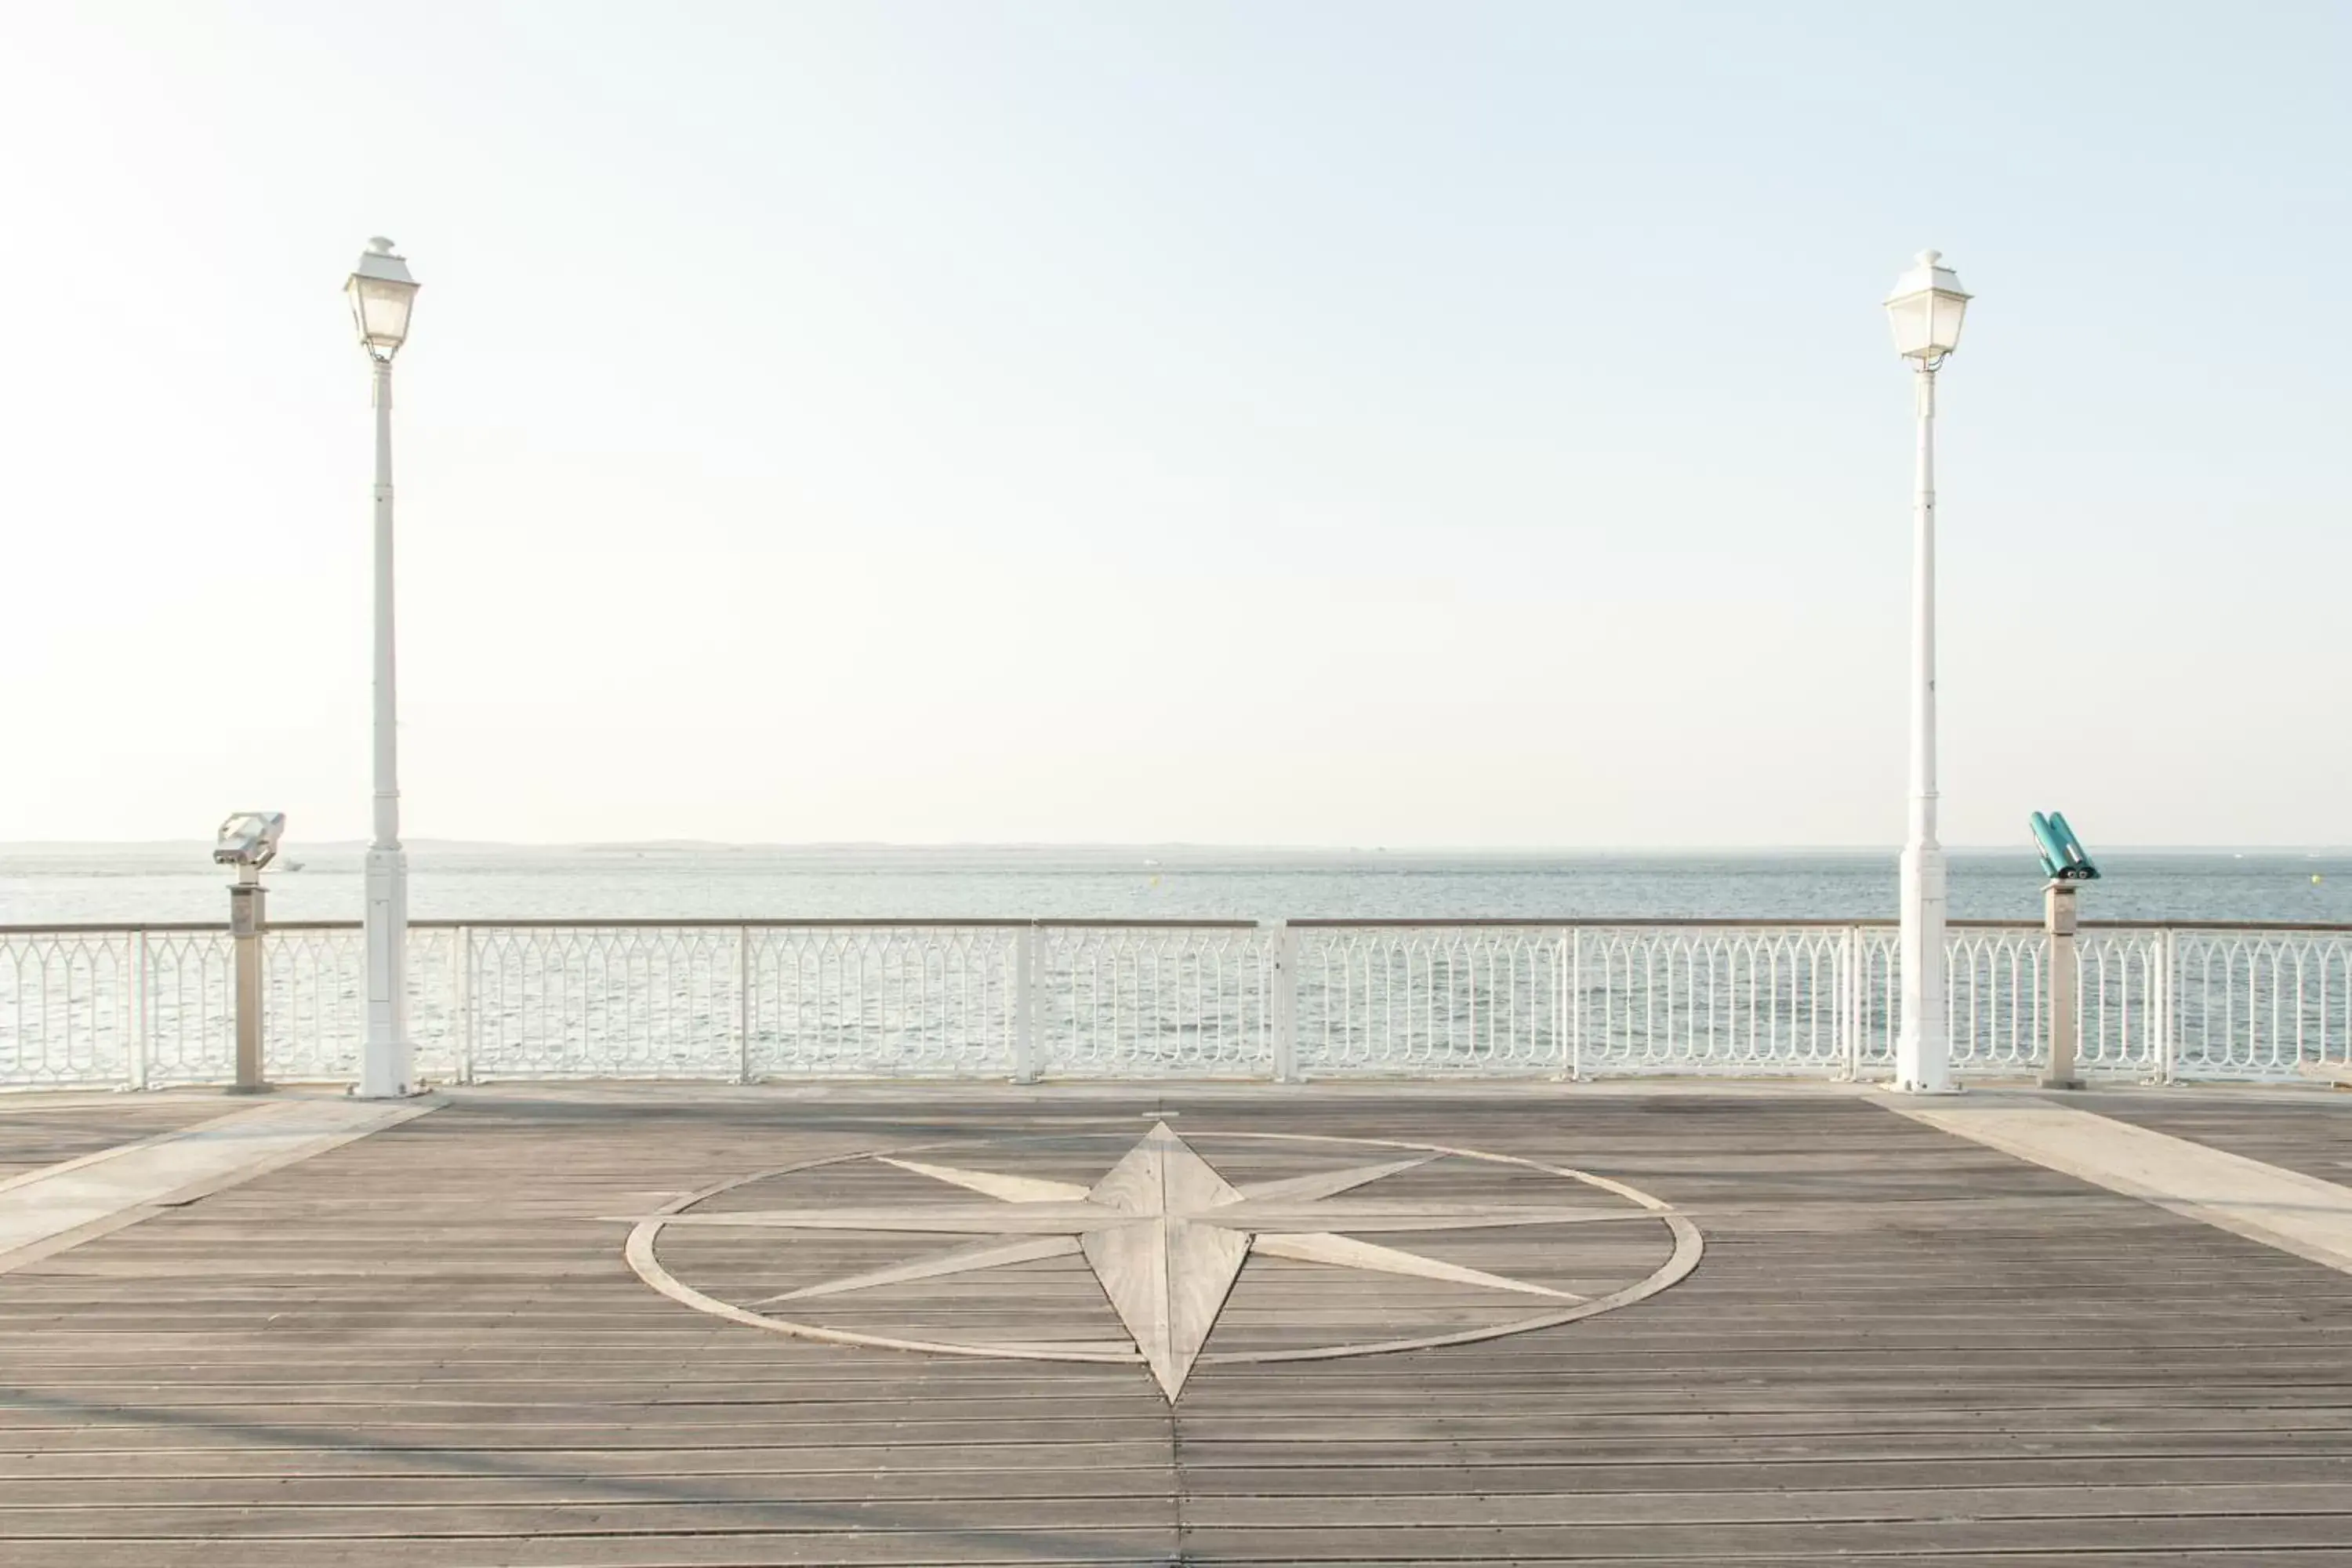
(382, 293)
(1925, 309)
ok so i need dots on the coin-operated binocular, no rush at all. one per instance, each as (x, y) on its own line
(2068, 866)
(248, 841)
(249, 838)
(2064, 859)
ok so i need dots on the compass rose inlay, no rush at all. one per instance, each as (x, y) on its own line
(1166, 1235)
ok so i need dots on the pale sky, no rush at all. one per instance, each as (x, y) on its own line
(1268, 423)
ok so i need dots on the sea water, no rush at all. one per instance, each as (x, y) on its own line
(127, 883)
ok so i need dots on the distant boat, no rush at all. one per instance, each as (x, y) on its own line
(289, 865)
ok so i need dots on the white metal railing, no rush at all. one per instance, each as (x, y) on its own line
(151, 1006)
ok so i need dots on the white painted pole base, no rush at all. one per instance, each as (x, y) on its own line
(387, 1058)
(1923, 1050)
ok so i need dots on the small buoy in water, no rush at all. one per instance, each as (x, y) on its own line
(2315, 875)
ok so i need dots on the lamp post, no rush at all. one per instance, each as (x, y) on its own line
(1924, 309)
(382, 293)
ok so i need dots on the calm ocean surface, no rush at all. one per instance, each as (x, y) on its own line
(176, 882)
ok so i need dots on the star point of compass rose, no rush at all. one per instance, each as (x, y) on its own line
(1165, 1235)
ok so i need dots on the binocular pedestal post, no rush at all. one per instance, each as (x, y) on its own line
(2058, 909)
(247, 918)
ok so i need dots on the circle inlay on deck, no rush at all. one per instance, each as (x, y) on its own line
(1165, 1235)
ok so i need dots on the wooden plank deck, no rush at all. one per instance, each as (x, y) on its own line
(425, 1348)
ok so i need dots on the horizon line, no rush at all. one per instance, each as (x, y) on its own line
(1187, 846)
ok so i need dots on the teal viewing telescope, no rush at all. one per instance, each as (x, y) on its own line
(2062, 856)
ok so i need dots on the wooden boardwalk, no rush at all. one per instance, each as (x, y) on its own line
(40, 1131)
(2307, 1133)
(425, 1347)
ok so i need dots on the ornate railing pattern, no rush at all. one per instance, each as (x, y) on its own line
(1193, 1000)
(149, 1006)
